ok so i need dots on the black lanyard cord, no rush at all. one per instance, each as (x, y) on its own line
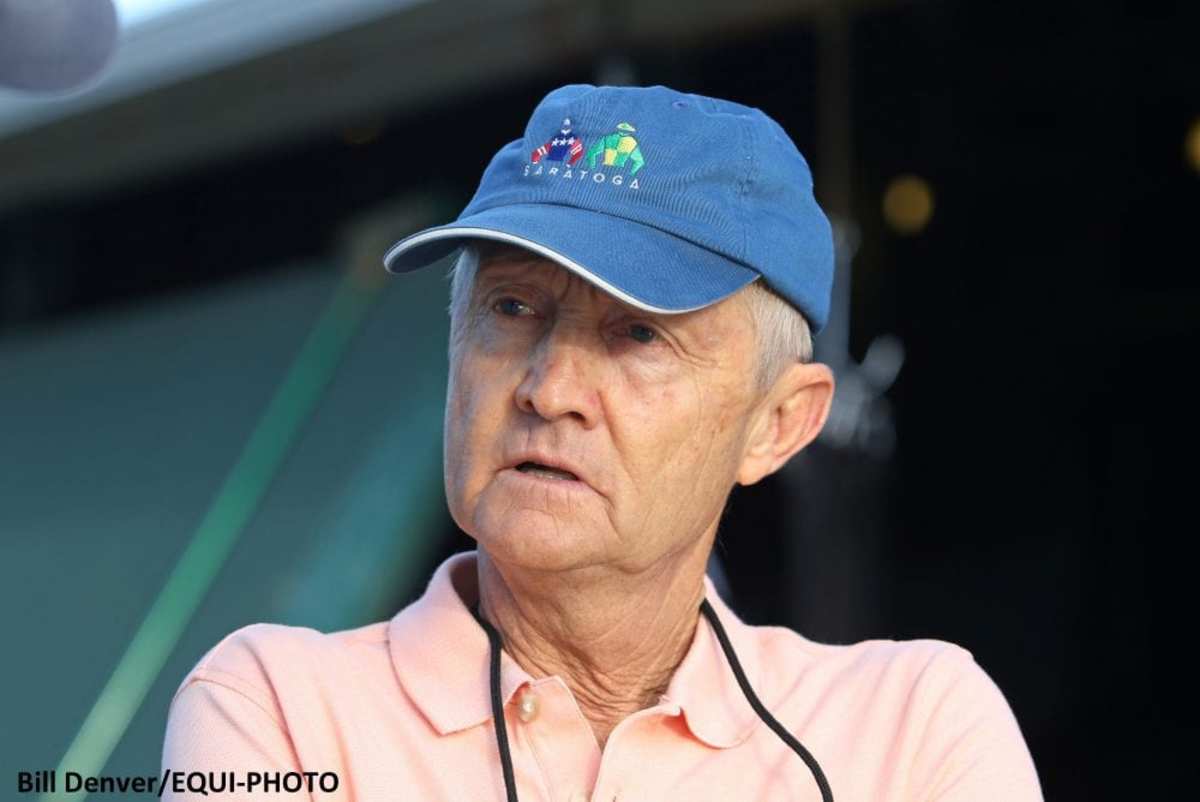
(763, 713)
(510, 785)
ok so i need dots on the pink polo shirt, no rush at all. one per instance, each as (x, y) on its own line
(401, 710)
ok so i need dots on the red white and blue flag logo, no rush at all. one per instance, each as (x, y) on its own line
(563, 146)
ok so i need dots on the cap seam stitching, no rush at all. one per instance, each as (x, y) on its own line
(743, 189)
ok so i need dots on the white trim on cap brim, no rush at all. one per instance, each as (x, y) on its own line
(536, 247)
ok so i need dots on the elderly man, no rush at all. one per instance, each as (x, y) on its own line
(624, 349)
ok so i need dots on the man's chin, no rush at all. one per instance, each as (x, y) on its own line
(538, 542)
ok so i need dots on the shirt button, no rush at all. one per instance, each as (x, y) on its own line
(527, 707)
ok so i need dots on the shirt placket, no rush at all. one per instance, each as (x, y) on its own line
(560, 738)
(622, 774)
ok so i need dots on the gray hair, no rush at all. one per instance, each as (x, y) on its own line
(782, 333)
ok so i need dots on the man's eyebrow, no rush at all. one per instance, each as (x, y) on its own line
(508, 264)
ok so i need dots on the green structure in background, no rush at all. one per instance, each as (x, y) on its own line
(226, 519)
(322, 518)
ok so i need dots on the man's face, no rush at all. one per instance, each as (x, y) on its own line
(651, 410)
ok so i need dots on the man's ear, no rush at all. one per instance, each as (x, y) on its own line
(788, 418)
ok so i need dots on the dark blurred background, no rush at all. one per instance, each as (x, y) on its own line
(217, 409)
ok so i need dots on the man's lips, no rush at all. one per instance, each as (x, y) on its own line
(576, 472)
(533, 467)
(533, 460)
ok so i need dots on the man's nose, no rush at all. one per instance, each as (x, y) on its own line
(562, 377)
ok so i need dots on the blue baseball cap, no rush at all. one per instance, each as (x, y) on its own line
(666, 200)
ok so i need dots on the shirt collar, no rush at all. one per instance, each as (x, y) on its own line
(704, 685)
(441, 656)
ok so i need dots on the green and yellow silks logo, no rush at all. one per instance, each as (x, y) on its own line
(617, 148)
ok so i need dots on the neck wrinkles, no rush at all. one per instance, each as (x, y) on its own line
(615, 639)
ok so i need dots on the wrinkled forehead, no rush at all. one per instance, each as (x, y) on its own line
(502, 259)
(495, 255)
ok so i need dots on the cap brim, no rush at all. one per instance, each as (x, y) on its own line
(643, 266)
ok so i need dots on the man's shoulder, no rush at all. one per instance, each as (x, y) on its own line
(925, 703)
(881, 663)
(257, 659)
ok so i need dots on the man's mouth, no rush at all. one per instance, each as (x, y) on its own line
(545, 470)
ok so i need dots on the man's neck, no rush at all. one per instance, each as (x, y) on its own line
(615, 639)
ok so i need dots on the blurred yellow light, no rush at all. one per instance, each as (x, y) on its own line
(908, 204)
(1191, 145)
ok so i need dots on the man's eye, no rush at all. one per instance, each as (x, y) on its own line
(510, 307)
(643, 334)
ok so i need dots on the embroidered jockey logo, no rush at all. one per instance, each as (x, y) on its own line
(616, 149)
(566, 148)
(564, 145)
